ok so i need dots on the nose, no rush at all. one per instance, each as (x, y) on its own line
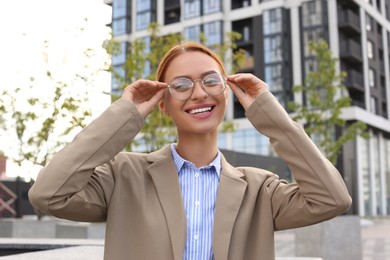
(198, 92)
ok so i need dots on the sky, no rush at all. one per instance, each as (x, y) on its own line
(42, 35)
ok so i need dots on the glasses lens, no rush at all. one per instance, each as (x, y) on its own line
(214, 84)
(180, 88)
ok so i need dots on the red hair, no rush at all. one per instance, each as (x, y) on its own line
(180, 49)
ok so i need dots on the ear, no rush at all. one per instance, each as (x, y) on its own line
(227, 90)
(162, 107)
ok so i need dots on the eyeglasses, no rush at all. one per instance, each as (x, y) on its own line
(182, 88)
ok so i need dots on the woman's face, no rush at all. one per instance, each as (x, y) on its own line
(201, 113)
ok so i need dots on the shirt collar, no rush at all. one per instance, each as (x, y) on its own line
(180, 161)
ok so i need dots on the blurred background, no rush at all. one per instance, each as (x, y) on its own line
(328, 63)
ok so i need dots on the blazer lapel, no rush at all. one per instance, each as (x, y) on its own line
(230, 194)
(165, 177)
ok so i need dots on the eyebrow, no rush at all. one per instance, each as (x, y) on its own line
(204, 74)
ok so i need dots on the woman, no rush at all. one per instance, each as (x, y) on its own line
(186, 201)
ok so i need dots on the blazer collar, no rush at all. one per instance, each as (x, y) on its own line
(165, 178)
(230, 194)
(231, 191)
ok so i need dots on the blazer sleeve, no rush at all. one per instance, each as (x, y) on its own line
(319, 192)
(77, 183)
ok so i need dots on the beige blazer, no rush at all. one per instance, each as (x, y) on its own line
(139, 197)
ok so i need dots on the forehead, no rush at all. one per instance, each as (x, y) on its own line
(192, 63)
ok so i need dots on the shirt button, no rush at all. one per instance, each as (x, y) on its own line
(197, 203)
(197, 174)
(196, 237)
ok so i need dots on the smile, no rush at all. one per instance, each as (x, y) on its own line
(200, 110)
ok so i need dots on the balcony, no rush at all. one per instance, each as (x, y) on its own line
(248, 63)
(349, 21)
(354, 80)
(350, 51)
(240, 3)
(380, 41)
(172, 15)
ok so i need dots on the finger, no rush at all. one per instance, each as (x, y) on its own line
(157, 97)
(146, 89)
(239, 77)
(246, 80)
(152, 90)
(250, 83)
(239, 92)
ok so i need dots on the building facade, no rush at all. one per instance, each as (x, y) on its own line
(275, 36)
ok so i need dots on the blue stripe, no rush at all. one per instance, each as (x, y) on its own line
(199, 190)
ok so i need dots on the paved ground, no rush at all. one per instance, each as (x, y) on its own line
(375, 244)
(375, 240)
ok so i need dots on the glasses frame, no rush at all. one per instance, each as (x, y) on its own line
(202, 84)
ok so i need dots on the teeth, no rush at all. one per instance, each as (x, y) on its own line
(199, 110)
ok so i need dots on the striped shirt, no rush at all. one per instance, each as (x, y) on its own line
(199, 190)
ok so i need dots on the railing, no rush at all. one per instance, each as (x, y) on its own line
(7, 200)
(348, 19)
(351, 50)
(354, 79)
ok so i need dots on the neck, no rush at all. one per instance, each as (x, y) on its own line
(201, 150)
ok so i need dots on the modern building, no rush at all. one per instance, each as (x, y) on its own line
(275, 38)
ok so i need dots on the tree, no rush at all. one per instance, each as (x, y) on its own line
(142, 61)
(325, 96)
(42, 113)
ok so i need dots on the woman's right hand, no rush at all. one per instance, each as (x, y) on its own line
(144, 94)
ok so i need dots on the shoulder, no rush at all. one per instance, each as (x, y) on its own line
(253, 174)
(138, 163)
(132, 159)
(125, 163)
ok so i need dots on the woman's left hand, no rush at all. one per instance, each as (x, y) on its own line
(246, 87)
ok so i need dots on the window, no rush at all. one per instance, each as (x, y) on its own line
(369, 22)
(377, 173)
(222, 143)
(120, 57)
(370, 50)
(143, 20)
(192, 33)
(387, 172)
(272, 21)
(117, 80)
(147, 68)
(374, 105)
(365, 169)
(273, 49)
(144, 5)
(191, 8)
(371, 77)
(211, 6)
(121, 26)
(378, 5)
(310, 65)
(146, 41)
(246, 33)
(312, 13)
(250, 141)
(145, 13)
(311, 35)
(120, 8)
(274, 77)
(213, 33)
